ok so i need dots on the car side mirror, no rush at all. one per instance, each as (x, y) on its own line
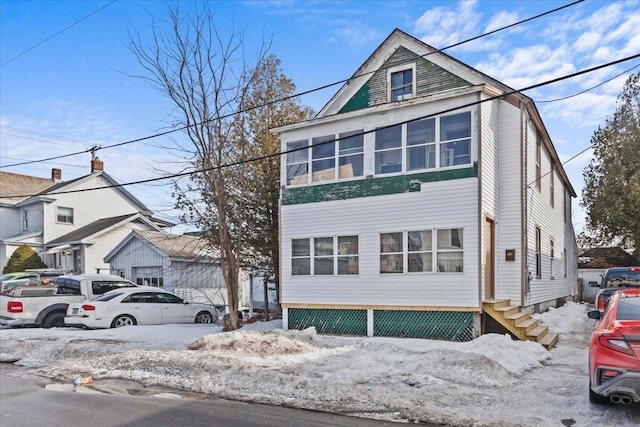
(594, 314)
(594, 284)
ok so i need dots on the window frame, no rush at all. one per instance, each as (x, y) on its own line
(538, 253)
(405, 254)
(538, 164)
(335, 254)
(25, 219)
(390, 88)
(66, 219)
(552, 183)
(552, 254)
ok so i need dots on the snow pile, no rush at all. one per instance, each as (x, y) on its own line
(490, 381)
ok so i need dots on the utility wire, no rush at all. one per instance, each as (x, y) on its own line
(295, 95)
(591, 88)
(280, 153)
(59, 32)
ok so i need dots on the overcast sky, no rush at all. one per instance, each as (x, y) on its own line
(65, 85)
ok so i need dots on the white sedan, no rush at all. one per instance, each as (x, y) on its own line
(137, 306)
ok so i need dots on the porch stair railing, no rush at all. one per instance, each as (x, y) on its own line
(519, 322)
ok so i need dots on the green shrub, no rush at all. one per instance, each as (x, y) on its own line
(22, 258)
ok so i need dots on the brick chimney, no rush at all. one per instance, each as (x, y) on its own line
(56, 174)
(96, 165)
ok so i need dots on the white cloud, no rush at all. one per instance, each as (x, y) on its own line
(441, 27)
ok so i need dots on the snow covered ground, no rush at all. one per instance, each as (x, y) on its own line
(491, 381)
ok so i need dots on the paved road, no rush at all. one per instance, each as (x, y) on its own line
(25, 402)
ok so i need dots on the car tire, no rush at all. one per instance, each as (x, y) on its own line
(123, 320)
(596, 398)
(203, 317)
(54, 320)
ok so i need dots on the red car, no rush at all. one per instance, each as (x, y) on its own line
(614, 350)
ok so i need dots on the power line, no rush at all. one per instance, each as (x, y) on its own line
(280, 153)
(299, 93)
(591, 88)
(57, 33)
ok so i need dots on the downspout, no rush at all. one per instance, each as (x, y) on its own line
(524, 238)
(480, 213)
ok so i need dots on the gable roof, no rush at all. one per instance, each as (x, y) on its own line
(441, 73)
(14, 184)
(172, 245)
(99, 227)
(606, 257)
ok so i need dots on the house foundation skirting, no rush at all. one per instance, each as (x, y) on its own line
(428, 324)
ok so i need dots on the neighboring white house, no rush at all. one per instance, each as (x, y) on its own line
(178, 263)
(71, 224)
(423, 189)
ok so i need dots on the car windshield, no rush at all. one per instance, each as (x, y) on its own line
(628, 308)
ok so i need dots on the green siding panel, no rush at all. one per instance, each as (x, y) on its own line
(359, 101)
(370, 187)
(429, 79)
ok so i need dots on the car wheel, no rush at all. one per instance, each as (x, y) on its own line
(596, 398)
(54, 320)
(204, 317)
(123, 320)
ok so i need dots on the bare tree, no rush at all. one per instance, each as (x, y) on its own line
(207, 77)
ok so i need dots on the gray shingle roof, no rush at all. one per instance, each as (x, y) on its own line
(90, 229)
(14, 184)
(178, 246)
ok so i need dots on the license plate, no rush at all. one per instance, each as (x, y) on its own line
(74, 311)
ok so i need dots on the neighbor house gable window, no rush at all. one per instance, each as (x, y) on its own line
(401, 82)
(64, 215)
(331, 255)
(413, 251)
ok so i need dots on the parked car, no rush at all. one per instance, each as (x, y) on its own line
(138, 306)
(614, 279)
(614, 350)
(48, 311)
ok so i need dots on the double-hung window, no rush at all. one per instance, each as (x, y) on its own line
(351, 154)
(389, 150)
(25, 219)
(64, 215)
(455, 139)
(297, 162)
(413, 251)
(401, 83)
(421, 144)
(322, 256)
(431, 143)
(323, 158)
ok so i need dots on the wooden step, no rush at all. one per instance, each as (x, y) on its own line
(527, 325)
(549, 340)
(537, 333)
(518, 317)
(507, 310)
(497, 303)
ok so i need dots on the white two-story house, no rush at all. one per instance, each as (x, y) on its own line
(70, 224)
(422, 191)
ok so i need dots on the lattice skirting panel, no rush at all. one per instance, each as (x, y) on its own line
(445, 325)
(329, 321)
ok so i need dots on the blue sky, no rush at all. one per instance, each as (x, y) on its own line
(73, 91)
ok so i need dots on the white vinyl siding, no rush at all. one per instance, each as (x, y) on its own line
(367, 218)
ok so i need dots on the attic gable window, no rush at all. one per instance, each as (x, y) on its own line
(401, 83)
(64, 215)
